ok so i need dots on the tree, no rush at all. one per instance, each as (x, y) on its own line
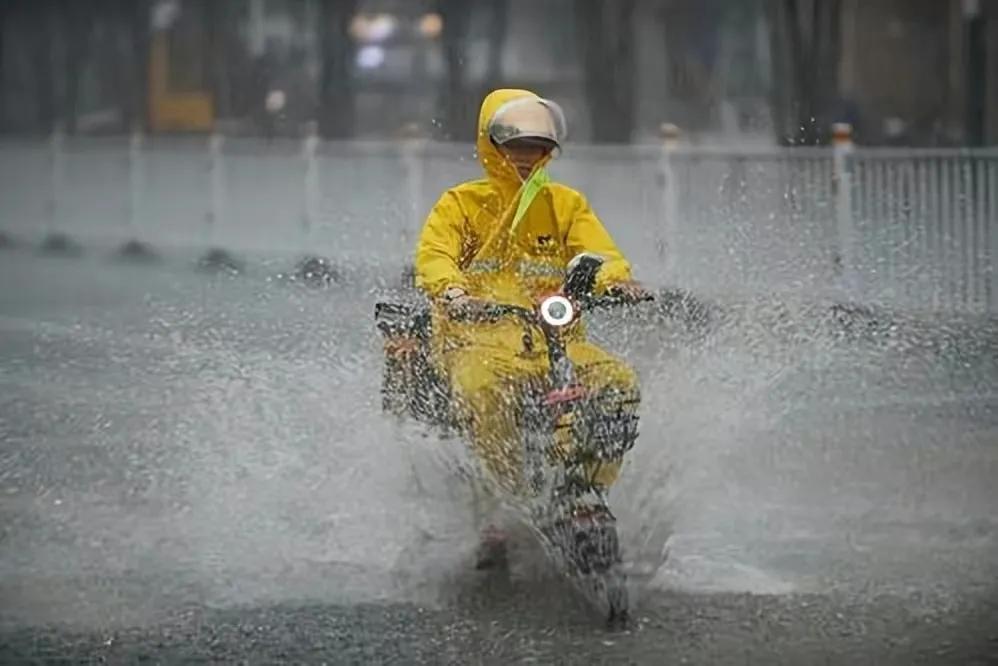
(459, 98)
(497, 37)
(221, 23)
(805, 41)
(337, 114)
(76, 22)
(135, 92)
(453, 105)
(41, 22)
(606, 38)
(4, 12)
(692, 37)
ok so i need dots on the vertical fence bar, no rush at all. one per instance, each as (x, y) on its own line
(414, 158)
(921, 257)
(216, 214)
(842, 161)
(217, 258)
(888, 228)
(667, 243)
(903, 179)
(411, 158)
(952, 227)
(135, 182)
(932, 228)
(888, 206)
(967, 237)
(311, 193)
(979, 243)
(57, 169)
(312, 269)
(133, 247)
(939, 224)
(871, 229)
(871, 238)
(942, 223)
(992, 230)
(906, 179)
(57, 241)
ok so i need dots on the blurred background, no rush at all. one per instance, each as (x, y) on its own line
(911, 72)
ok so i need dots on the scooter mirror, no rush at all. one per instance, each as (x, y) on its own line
(581, 274)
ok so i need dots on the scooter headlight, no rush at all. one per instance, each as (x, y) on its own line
(557, 311)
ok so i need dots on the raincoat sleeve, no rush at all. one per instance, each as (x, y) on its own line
(439, 248)
(587, 234)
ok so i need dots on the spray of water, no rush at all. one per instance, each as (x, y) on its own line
(172, 439)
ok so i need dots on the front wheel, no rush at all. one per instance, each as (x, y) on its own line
(591, 548)
(617, 599)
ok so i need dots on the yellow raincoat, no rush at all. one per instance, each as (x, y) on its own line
(469, 241)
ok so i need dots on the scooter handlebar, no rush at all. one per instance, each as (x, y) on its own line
(496, 311)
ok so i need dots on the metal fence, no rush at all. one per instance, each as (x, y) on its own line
(915, 229)
(904, 228)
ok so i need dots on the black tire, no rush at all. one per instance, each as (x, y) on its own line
(592, 554)
(617, 600)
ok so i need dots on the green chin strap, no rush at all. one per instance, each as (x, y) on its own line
(531, 187)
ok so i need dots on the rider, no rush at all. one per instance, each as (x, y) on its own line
(508, 239)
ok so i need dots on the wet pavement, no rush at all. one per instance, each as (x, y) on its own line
(195, 468)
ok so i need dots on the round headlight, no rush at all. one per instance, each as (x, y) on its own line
(557, 311)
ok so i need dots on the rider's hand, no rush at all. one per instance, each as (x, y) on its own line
(460, 305)
(630, 289)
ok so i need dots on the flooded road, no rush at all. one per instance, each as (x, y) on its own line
(196, 467)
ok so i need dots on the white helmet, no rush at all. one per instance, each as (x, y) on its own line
(528, 118)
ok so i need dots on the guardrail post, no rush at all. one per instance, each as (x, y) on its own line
(312, 269)
(133, 248)
(413, 152)
(667, 243)
(216, 259)
(991, 306)
(57, 241)
(310, 212)
(842, 186)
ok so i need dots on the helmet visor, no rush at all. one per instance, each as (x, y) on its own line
(528, 118)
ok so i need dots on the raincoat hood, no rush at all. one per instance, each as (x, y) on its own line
(498, 169)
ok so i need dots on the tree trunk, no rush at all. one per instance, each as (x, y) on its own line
(41, 27)
(76, 27)
(4, 11)
(805, 41)
(781, 93)
(219, 23)
(459, 120)
(136, 89)
(606, 38)
(497, 38)
(337, 114)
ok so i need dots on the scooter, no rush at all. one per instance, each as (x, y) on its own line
(567, 434)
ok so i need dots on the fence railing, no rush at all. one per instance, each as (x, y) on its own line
(904, 228)
(901, 227)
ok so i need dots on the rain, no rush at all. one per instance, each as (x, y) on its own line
(203, 203)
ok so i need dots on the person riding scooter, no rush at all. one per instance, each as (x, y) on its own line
(508, 238)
